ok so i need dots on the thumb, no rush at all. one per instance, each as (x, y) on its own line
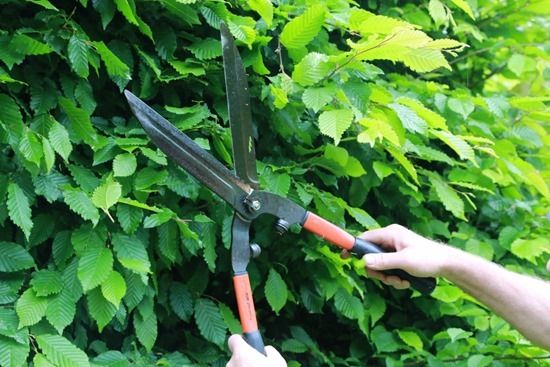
(236, 342)
(274, 356)
(391, 260)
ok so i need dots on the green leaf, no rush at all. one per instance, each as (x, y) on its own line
(107, 195)
(13, 353)
(14, 257)
(127, 8)
(114, 288)
(101, 310)
(80, 121)
(124, 165)
(19, 208)
(129, 217)
(450, 199)
(463, 5)
(146, 329)
(206, 49)
(276, 291)
(210, 321)
(46, 282)
(30, 308)
(348, 305)
(40, 361)
(437, 12)
(31, 148)
(456, 143)
(233, 324)
(29, 46)
(311, 69)
(44, 3)
(61, 310)
(168, 243)
(384, 340)
(411, 121)
(116, 68)
(301, 30)
(59, 138)
(264, 8)
(11, 117)
(49, 155)
(334, 123)
(317, 98)
(412, 339)
(78, 51)
(463, 107)
(131, 253)
(530, 249)
(181, 301)
(61, 351)
(94, 267)
(81, 204)
(423, 60)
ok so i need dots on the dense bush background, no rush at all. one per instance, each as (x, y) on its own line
(112, 256)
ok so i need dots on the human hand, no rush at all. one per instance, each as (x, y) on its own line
(246, 356)
(548, 266)
(409, 251)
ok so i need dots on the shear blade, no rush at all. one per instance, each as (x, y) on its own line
(185, 152)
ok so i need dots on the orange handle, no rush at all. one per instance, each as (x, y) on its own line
(328, 231)
(245, 303)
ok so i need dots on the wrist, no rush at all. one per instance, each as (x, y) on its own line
(453, 262)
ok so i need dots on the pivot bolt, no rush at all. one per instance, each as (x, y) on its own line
(282, 226)
(256, 205)
(255, 250)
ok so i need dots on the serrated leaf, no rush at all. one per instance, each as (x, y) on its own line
(206, 49)
(181, 301)
(448, 197)
(233, 324)
(311, 69)
(334, 123)
(317, 98)
(13, 353)
(14, 257)
(31, 148)
(116, 68)
(348, 305)
(29, 46)
(530, 249)
(463, 107)
(129, 217)
(77, 51)
(157, 219)
(301, 30)
(80, 121)
(101, 310)
(411, 121)
(433, 119)
(19, 208)
(437, 12)
(423, 60)
(210, 321)
(46, 282)
(85, 178)
(61, 351)
(146, 329)
(40, 360)
(59, 138)
(49, 155)
(94, 267)
(30, 308)
(411, 338)
(168, 241)
(81, 204)
(264, 8)
(463, 5)
(61, 310)
(107, 195)
(456, 143)
(114, 288)
(131, 253)
(44, 3)
(276, 291)
(127, 8)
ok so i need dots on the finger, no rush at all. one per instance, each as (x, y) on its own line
(548, 266)
(381, 236)
(345, 254)
(375, 274)
(392, 260)
(274, 356)
(236, 342)
(230, 363)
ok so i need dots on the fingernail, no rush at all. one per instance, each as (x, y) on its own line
(370, 259)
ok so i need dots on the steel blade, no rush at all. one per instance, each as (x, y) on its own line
(185, 152)
(238, 104)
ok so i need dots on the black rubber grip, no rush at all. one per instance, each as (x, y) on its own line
(254, 339)
(423, 285)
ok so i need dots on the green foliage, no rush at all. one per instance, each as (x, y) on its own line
(431, 114)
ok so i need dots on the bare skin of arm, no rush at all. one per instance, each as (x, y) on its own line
(521, 300)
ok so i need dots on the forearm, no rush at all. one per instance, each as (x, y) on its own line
(521, 300)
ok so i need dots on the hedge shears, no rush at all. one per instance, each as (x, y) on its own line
(242, 191)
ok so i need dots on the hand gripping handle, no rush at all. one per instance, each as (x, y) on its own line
(337, 236)
(247, 313)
